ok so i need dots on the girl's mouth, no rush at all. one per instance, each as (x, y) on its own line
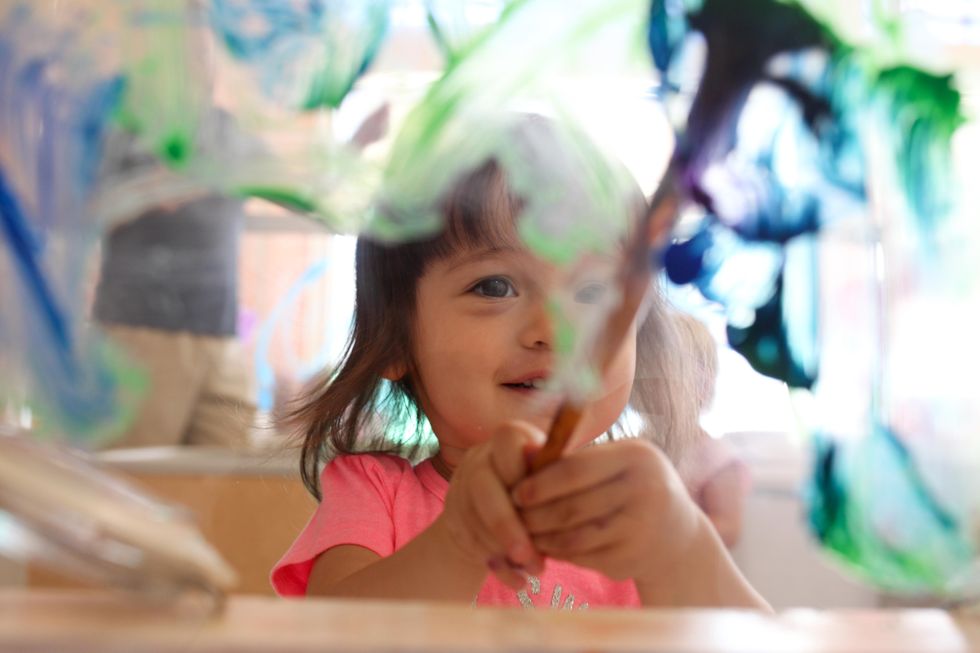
(537, 384)
(529, 385)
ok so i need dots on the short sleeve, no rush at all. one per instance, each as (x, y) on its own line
(356, 508)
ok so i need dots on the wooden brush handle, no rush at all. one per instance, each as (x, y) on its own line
(561, 430)
(634, 280)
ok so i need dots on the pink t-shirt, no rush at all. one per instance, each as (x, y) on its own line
(381, 502)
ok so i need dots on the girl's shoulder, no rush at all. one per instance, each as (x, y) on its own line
(374, 464)
(384, 471)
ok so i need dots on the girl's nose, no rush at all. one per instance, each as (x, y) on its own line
(538, 331)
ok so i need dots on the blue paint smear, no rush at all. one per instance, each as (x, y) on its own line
(26, 255)
(52, 131)
(275, 38)
(771, 151)
(263, 366)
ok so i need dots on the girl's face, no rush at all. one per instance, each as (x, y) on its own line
(483, 338)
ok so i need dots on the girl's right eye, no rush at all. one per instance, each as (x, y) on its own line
(494, 288)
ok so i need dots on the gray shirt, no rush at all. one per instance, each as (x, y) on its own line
(175, 270)
(171, 268)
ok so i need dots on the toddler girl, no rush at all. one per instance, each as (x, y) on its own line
(455, 331)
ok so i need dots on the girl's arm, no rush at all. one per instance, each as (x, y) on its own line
(621, 509)
(427, 568)
(706, 576)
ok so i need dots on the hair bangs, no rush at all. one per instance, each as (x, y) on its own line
(480, 213)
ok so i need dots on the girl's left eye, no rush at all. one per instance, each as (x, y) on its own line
(590, 293)
(495, 288)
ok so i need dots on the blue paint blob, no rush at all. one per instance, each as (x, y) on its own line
(684, 262)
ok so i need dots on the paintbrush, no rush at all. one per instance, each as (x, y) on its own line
(633, 279)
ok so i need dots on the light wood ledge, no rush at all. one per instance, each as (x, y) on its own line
(77, 621)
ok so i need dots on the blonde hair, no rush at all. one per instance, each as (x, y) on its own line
(702, 362)
(665, 392)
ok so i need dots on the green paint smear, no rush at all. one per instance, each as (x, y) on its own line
(452, 31)
(565, 333)
(870, 506)
(176, 150)
(165, 91)
(437, 142)
(284, 197)
(923, 111)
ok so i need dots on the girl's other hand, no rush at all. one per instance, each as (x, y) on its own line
(480, 518)
(618, 508)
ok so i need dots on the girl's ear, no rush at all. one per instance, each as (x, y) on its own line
(395, 372)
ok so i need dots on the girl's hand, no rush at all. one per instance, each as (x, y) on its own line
(480, 518)
(618, 508)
